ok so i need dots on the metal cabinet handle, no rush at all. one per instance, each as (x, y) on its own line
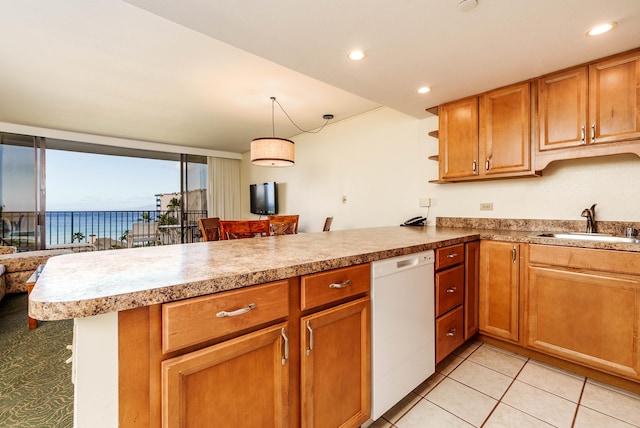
(583, 135)
(486, 165)
(237, 312)
(310, 338)
(452, 289)
(341, 285)
(451, 332)
(452, 255)
(514, 252)
(283, 332)
(474, 166)
(593, 133)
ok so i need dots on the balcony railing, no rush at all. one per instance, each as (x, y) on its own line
(103, 230)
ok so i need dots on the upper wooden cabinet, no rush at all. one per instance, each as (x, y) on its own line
(458, 139)
(584, 110)
(614, 99)
(486, 136)
(563, 109)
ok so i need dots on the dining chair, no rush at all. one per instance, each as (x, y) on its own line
(210, 228)
(283, 224)
(238, 229)
(327, 224)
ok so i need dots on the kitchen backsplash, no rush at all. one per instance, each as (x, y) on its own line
(617, 228)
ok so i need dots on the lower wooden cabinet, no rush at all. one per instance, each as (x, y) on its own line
(584, 306)
(290, 353)
(239, 382)
(471, 288)
(499, 289)
(449, 332)
(336, 366)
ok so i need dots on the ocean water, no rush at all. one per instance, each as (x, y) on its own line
(63, 227)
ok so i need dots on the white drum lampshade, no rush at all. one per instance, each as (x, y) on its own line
(272, 151)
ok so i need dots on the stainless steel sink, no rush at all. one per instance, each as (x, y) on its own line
(595, 237)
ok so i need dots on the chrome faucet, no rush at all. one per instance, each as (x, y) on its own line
(590, 214)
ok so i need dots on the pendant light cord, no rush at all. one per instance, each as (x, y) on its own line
(274, 100)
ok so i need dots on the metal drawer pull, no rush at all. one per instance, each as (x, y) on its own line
(283, 332)
(451, 332)
(341, 285)
(452, 255)
(452, 289)
(310, 338)
(237, 312)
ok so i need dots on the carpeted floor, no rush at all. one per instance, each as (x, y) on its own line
(35, 383)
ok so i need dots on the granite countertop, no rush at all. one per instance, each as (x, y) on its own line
(91, 283)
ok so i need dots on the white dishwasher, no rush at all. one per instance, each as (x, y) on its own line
(402, 327)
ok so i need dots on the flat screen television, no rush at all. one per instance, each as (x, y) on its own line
(264, 198)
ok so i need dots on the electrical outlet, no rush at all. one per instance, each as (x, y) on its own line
(425, 202)
(344, 199)
(486, 206)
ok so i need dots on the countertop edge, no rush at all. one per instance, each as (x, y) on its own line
(43, 307)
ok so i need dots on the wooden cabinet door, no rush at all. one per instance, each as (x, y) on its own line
(505, 130)
(458, 139)
(471, 288)
(499, 282)
(614, 99)
(336, 366)
(563, 109)
(585, 316)
(242, 382)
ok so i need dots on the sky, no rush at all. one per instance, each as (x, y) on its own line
(90, 182)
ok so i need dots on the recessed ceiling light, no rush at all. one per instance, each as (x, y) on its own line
(356, 55)
(601, 29)
(424, 90)
(467, 5)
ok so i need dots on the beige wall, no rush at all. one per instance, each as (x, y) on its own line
(378, 160)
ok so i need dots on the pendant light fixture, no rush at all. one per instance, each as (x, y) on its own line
(274, 151)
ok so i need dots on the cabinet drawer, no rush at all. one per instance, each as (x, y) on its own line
(449, 289)
(449, 333)
(192, 321)
(331, 286)
(449, 256)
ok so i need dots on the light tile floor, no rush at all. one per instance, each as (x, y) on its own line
(483, 386)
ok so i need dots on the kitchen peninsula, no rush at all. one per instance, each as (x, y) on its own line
(122, 303)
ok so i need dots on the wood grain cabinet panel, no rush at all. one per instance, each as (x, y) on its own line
(449, 333)
(505, 131)
(192, 321)
(614, 99)
(580, 309)
(471, 288)
(336, 366)
(486, 136)
(590, 110)
(334, 285)
(239, 382)
(449, 256)
(458, 139)
(585, 317)
(449, 289)
(563, 109)
(456, 296)
(499, 289)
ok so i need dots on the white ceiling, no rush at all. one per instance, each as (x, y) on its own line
(200, 73)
